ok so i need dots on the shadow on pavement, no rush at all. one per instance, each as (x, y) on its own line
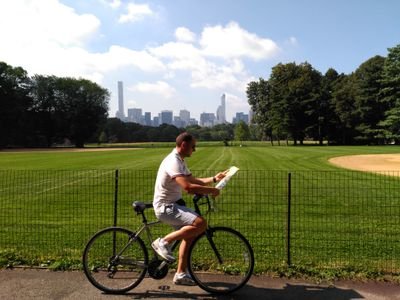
(248, 292)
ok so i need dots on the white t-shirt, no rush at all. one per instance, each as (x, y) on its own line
(167, 190)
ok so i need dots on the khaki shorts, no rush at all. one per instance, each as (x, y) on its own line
(176, 215)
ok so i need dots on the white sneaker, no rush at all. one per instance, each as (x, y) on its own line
(162, 249)
(183, 279)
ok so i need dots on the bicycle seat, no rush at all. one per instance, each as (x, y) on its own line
(141, 206)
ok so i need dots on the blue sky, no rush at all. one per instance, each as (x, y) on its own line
(179, 54)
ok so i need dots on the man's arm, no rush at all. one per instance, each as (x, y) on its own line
(208, 180)
(196, 186)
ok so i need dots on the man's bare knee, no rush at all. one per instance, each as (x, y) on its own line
(200, 223)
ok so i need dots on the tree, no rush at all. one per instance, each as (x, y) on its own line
(260, 102)
(45, 108)
(328, 119)
(294, 94)
(391, 95)
(344, 100)
(242, 132)
(370, 109)
(16, 124)
(84, 106)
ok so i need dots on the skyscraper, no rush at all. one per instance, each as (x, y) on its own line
(221, 111)
(166, 117)
(120, 113)
(135, 115)
(185, 116)
(147, 118)
(207, 119)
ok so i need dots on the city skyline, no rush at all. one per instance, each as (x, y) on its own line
(207, 119)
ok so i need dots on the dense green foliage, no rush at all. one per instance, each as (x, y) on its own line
(44, 110)
(297, 102)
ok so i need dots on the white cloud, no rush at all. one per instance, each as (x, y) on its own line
(114, 4)
(204, 72)
(46, 37)
(232, 41)
(136, 12)
(183, 34)
(118, 57)
(27, 23)
(161, 88)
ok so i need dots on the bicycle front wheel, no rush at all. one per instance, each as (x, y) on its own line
(114, 260)
(221, 260)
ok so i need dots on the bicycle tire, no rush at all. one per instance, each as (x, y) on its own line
(231, 271)
(104, 271)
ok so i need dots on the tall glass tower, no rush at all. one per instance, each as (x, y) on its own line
(221, 111)
(120, 113)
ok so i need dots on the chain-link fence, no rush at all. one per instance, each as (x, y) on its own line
(312, 219)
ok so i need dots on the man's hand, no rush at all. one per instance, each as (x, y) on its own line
(220, 175)
(215, 192)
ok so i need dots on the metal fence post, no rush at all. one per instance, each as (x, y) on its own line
(116, 197)
(288, 229)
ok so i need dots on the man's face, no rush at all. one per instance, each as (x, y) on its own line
(189, 148)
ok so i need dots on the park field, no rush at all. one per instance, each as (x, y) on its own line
(295, 207)
(259, 157)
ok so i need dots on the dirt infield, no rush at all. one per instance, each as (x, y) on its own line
(369, 162)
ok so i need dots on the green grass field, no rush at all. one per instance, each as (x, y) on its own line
(205, 158)
(342, 221)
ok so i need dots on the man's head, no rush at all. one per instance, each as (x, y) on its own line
(185, 144)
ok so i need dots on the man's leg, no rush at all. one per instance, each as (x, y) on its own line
(183, 255)
(187, 232)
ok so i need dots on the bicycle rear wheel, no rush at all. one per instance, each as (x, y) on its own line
(221, 260)
(113, 261)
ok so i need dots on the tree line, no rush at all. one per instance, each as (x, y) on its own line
(297, 102)
(46, 110)
(116, 131)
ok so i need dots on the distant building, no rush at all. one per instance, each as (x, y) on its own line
(166, 117)
(120, 113)
(135, 115)
(221, 111)
(240, 116)
(178, 122)
(156, 121)
(147, 118)
(185, 117)
(193, 121)
(207, 119)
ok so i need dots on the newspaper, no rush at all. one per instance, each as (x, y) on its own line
(232, 171)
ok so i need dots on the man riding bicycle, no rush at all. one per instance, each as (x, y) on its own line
(174, 176)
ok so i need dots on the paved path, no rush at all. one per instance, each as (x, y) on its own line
(45, 284)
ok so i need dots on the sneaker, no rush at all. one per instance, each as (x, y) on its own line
(162, 249)
(183, 279)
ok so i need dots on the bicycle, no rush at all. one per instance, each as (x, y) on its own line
(116, 260)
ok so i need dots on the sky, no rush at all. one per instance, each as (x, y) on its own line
(184, 54)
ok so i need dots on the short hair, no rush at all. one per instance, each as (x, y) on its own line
(184, 137)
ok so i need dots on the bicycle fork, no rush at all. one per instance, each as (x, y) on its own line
(209, 234)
